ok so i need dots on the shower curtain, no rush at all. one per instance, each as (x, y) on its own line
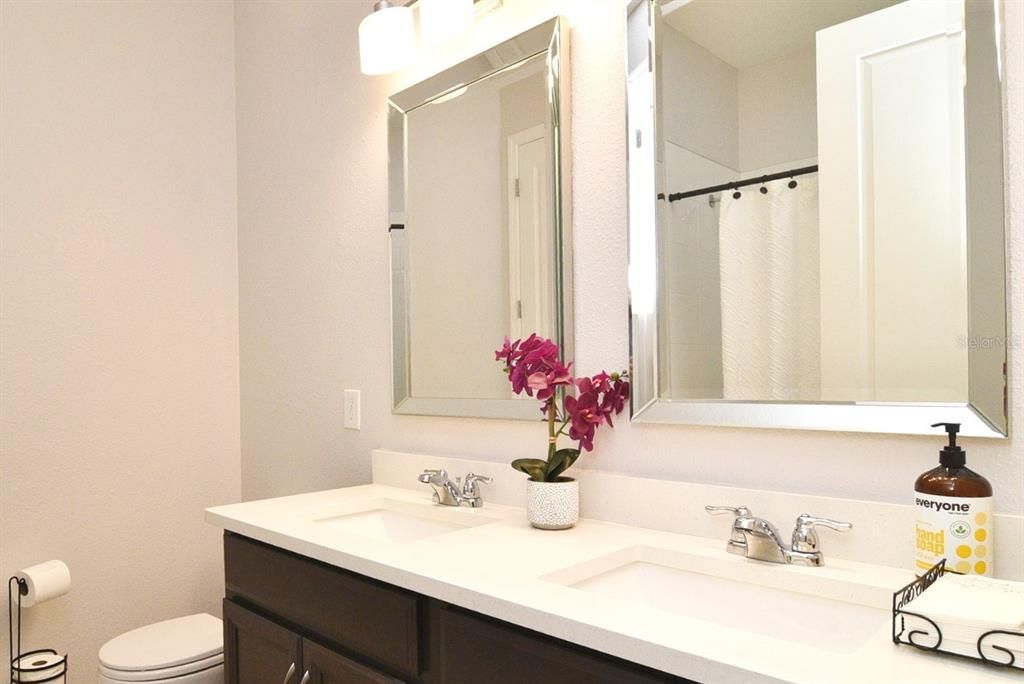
(768, 247)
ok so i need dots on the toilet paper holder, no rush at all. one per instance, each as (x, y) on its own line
(39, 665)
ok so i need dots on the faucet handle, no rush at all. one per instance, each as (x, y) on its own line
(429, 474)
(806, 539)
(807, 520)
(472, 487)
(737, 540)
(738, 511)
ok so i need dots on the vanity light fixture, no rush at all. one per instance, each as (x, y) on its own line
(387, 39)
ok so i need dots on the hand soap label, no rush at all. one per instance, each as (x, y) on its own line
(956, 528)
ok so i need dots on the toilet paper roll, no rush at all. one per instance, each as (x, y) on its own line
(39, 666)
(44, 581)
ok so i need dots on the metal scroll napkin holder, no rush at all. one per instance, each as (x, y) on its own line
(923, 633)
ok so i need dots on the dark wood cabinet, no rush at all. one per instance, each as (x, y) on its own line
(361, 615)
(328, 667)
(479, 649)
(257, 650)
(343, 628)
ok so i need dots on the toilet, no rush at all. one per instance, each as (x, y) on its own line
(185, 650)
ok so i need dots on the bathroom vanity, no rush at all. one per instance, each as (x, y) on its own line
(288, 613)
(378, 583)
(784, 134)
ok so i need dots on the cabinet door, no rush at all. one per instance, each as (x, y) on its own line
(258, 651)
(328, 667)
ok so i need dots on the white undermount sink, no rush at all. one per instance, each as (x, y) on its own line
(395, 521)
(765, 599)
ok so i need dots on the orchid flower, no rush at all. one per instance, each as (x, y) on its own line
(533, 367)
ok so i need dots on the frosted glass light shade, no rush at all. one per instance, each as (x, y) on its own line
(387, 40)
(442, 19)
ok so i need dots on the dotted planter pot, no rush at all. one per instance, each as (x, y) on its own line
(553, 505)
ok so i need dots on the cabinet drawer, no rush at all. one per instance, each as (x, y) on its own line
(476, 649)
(373, 620)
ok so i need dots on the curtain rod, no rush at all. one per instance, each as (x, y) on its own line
(740, 184)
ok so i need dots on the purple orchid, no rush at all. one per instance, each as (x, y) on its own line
(533, 366)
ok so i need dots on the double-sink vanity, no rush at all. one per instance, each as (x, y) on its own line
(378, 583)
(812, 245)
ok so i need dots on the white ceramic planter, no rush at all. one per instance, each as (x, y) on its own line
(553, 505)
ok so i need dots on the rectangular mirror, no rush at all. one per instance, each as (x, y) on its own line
(816, 214)
(479, 203)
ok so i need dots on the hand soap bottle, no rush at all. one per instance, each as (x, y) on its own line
(953, 507)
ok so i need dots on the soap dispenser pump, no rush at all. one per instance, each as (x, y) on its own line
(953, 507)
(951, 455)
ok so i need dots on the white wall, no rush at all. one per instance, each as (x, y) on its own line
(312, 245)
(700, 100)
(313, 193)
(699, 122)
(778, 113)
(457, 144)
(690, 363)
(119, 332)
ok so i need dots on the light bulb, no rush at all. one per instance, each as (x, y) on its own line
(387, 39)
(443, 19)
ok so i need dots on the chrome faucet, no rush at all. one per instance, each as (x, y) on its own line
(448, 493)
(756, 538)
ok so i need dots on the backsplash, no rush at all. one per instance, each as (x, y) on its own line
(882, 533)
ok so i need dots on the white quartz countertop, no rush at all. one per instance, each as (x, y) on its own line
(508, 570)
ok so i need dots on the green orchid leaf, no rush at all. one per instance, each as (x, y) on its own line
(559, 463)
(534, 467)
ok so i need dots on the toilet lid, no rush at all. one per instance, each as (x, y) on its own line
(165, 644)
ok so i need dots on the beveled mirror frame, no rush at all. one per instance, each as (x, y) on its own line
(550, 39)
(646, 402)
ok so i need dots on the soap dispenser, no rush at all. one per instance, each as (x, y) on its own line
(953, 508)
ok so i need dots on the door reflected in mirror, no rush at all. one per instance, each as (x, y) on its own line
(476, 229)
(827, 221)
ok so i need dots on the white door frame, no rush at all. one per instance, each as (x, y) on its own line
(515, 141)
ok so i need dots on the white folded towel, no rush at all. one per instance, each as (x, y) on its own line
(988, 647)
(969, 634)
(972, 601)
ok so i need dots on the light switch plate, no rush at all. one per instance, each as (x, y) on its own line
(351, 409)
